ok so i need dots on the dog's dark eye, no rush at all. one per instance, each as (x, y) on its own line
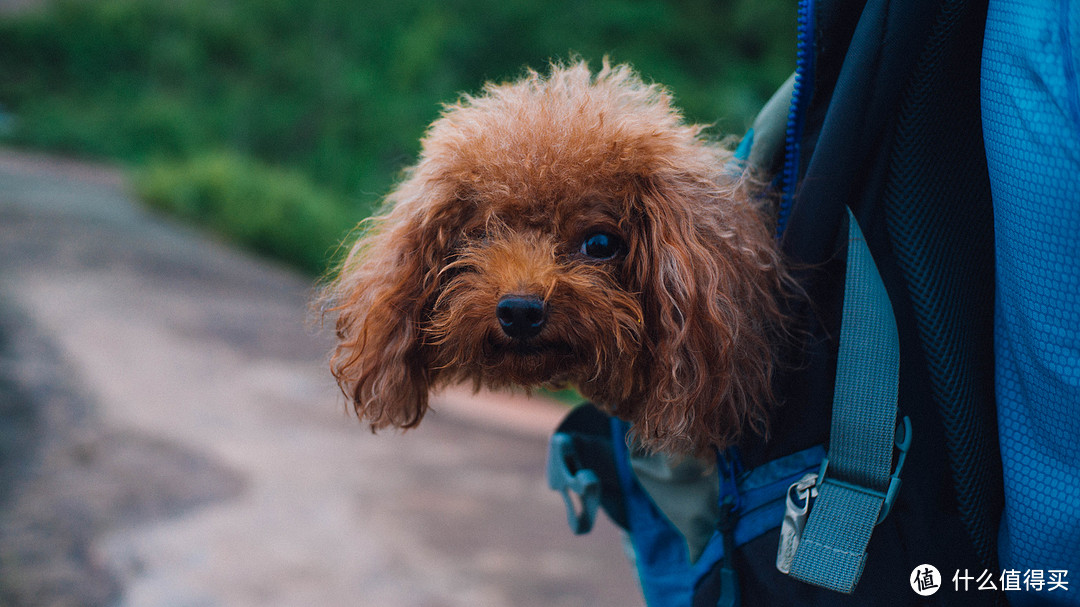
(601, 245)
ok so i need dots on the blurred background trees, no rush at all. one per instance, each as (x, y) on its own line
(281, 123)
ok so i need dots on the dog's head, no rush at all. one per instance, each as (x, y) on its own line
(567, 230)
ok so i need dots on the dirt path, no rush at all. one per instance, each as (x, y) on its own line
(170, 436)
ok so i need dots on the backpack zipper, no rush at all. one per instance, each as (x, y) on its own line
(800, 98)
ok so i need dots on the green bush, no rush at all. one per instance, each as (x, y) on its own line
(273, 211)
(341, 92)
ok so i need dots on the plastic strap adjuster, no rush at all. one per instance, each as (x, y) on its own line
(888, 497)
(565, 476)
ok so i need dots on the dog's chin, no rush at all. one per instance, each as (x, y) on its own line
(529, 363)
(529, 350)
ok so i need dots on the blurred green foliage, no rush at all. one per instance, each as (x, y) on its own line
(337, 94)
(295, 221)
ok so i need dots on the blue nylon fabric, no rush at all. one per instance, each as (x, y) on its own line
(660, 552)
(742, 153)
(667, 577)
(1031, 123)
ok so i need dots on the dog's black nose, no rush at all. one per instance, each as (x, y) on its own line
(520, 317)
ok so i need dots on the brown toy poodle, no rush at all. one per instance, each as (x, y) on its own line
(568, 229)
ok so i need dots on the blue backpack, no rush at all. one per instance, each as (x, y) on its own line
(946, 305)
(1031, 121)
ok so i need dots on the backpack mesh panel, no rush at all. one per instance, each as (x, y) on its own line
(940, 222)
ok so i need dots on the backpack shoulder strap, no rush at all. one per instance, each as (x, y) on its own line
(856, 484)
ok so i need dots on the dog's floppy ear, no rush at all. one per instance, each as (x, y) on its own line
(709, 275)
(381, 295)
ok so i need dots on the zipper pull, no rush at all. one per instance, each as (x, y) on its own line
(799, 496)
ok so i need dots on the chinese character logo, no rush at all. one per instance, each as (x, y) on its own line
(925, 580)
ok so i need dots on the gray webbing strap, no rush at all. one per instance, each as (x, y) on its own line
(856, 484)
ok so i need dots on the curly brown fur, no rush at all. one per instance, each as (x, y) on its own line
(674, 333)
